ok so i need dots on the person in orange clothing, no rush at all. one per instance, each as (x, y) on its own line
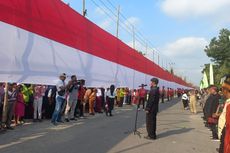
(92, 99)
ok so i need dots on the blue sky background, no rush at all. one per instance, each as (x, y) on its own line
(178, 30)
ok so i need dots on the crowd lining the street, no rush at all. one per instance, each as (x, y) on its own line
(216, 110)
(69, 101)
(66, 101)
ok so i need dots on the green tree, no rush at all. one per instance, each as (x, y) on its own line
(219, 52)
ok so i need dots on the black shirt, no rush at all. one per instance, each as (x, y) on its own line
(153, 100)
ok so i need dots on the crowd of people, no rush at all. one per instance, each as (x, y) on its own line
(216, 110)
(69, 100)
(66, 101)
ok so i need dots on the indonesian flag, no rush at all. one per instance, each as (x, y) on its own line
(39, 39)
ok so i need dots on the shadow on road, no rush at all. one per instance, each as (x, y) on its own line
(174, 132)
(172, 122)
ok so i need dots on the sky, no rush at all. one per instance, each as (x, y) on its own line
(176, 30)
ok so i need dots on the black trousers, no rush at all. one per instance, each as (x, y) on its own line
(48, 107)
(141, 100)
(214, 131)
(151, 123)
(163, 98)
(110, 105)
(185, 103)
(29, 110)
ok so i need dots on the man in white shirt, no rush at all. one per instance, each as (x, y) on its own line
(60, 99)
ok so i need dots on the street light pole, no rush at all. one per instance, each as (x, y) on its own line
(118, 20)
(133, 37)
(83, 8)
(158, 60)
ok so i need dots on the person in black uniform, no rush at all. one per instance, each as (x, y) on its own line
(152, 109)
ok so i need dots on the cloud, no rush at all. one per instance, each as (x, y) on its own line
(99, 11)
(218, 9)
(185, 47)
(105, 24)
(132, 21)
(102, 20)
(188, 54)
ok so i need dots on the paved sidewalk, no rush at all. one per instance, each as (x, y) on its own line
(178, 131)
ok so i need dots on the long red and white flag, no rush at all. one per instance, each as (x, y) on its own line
(39, 39)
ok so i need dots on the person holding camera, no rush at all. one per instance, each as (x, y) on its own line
(60, 99)
(72, 90)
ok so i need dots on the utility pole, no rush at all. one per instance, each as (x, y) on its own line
(146, 49)
(153, 56)
(167, 65)
(133, 48)
(83, 8)
(162, 63)
(118, 20)
(133, 37)
(158, 60)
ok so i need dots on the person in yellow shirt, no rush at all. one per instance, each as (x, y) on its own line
(118, 98)
(122, 95)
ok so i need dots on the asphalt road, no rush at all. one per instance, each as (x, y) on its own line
(178, 131)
